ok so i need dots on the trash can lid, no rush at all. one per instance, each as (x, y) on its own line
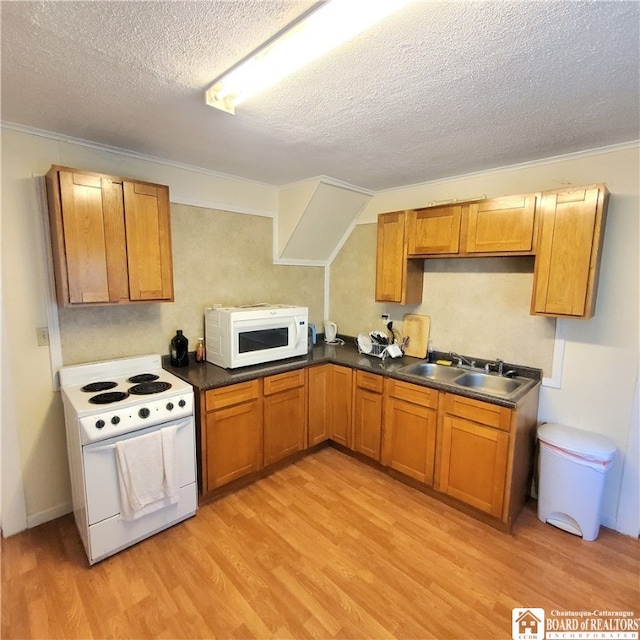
(584, 443)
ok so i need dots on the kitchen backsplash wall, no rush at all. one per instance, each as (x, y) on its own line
(478, 306)
(218, 257)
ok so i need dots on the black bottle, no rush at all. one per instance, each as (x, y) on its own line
(179, 350)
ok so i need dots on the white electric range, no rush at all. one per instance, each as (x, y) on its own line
(108, 402)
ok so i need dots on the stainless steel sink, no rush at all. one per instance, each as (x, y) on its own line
(432, 371)
(488, 383)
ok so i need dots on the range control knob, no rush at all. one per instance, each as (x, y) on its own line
(115, 420)
(99, 424)
(144, 412)
(169, 406)
(182, 403)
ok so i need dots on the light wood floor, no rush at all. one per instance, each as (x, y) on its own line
(325, 548)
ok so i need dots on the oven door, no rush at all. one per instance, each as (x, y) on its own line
(101, 473)
(108, 533)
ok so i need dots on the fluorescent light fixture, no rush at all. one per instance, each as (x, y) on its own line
(317, 32)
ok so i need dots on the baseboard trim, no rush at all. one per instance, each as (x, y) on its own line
(41, 517)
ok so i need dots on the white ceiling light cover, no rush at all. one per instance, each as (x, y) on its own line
(305, 40)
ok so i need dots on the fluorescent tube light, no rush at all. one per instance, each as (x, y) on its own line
(330, 25)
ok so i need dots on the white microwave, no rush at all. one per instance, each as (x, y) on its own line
(243, 336)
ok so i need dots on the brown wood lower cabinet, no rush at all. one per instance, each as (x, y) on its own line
(367, 414)
(285, 411)
(474, 464)
(341, 404)
(232, 438)
(410, 419)
(330, 390)
(318, 390)
(486, 453)
(479, 453)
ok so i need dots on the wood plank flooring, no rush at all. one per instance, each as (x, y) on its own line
(325, 548)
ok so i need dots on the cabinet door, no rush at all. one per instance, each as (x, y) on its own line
(284, 415)
(91, 265)
(341, 405)
(501, 225)
(409, 439)
(148, 228)
(474, 464)
(568, 254)
(234, 437)
(367, 414)
(318, 386)
(435, 230)
(397, 278)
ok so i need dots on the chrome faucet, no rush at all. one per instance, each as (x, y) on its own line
(461, 359)
(499, 367)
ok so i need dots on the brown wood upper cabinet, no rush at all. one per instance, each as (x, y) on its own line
(563, 229)
(496, 226)
(500, 225)
(397, 278)
(111, 238)
(569, 250)
(435, 231)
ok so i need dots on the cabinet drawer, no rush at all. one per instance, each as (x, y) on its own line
(422, 396)
(369, 381)
(482, 412)
(283, 382)
(233, 394)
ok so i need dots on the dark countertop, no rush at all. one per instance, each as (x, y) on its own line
(204, 376)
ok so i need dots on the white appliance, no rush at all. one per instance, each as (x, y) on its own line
(243, 336)
(109, 402)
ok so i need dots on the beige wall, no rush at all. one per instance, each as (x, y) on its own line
(218, 257)
(478, 306)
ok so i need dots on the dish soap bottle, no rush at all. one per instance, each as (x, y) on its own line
(429, 351)
(200, 350)
(179, 350)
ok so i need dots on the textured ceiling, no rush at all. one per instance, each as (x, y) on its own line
(439, 89)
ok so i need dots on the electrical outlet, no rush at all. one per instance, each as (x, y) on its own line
(42, 334)
(385, 318)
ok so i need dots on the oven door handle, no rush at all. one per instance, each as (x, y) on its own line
(106, 447)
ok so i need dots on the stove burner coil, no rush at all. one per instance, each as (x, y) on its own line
(103, 385)
(109, 397)
(143, 377)
(146, 388)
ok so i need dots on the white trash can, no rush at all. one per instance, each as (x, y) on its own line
(572, 469)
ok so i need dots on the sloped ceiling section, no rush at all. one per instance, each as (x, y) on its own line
(314, 218)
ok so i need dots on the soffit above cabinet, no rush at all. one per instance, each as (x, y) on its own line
(315, 217)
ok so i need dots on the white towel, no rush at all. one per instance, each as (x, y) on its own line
(147, 473)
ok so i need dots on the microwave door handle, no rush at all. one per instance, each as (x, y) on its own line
(295, 325)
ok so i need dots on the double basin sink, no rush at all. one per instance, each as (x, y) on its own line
(489, 383)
